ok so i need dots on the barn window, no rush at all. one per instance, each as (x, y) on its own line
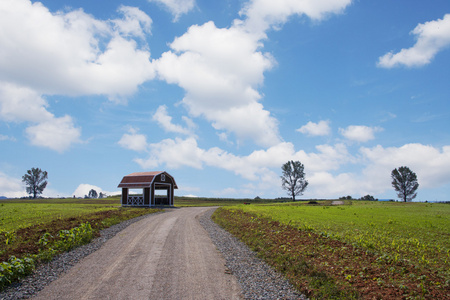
(163, 177)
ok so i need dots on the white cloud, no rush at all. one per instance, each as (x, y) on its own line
(84, 188)
(177, 153)
(11, 187)
(360, 133)
(432, 37)
(432, 165)
(56, 133)
(177, 7)
(262, 15)
(324, 168)
(133, 141)
(135, 22)
(7, 138)
(326, 185)
(316, 129)
(174, 154)
(65, 53)
(220, 70)
(21, 104)
(62, 53)
(165, 121)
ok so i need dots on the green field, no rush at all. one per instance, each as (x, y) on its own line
(19, 214)
(397, 245)
(416, 231)
(360, 250)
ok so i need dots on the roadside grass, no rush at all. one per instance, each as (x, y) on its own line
(35, 231)
(359, 250)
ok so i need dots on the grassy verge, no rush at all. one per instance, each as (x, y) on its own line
(327, 264)
(34, 232)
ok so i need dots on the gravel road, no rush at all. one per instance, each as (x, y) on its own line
(178, 254)
(167, 256)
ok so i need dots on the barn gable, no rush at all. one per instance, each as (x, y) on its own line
(148, 182)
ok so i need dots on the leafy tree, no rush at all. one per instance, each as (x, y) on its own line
(368, 198)
(405, 183)
(293, 178)
(93, 194)
(35, 180)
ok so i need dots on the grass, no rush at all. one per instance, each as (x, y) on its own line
(19, 214)
(362, 249)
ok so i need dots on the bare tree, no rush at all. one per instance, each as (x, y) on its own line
(35, 180)
(405, 183)
(293, 178)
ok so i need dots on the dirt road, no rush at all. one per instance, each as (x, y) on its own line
(164, 256)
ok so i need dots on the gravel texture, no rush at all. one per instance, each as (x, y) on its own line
(258, 281)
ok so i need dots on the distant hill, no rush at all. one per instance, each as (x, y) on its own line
(3, 197)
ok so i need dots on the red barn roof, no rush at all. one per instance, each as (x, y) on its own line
(145, 179)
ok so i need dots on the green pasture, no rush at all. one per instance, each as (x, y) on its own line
(418, 232)
(17, 214)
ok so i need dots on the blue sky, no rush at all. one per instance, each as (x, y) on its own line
(221, 93)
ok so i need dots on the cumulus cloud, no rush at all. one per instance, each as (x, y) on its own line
(262, 15)
(431, 37)
(56, 133)
(431, 164)
(11, 187)
(135, 22)
(165, 121)
(360, 133)
(21, 104)
(133, 141)
(325, 167)
(66, 53)
(316, 129)
(177, 7)
(72, 53)
(325, 184)
(84, 188)
(178, 152)
(174, 154)
(220, 69)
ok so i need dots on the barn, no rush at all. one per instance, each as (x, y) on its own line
(148, 182)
